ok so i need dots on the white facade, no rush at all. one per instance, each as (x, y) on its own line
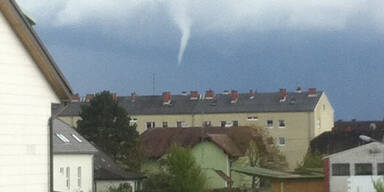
(371, 154)
(25, 108)
(103, 186)
(73, 173)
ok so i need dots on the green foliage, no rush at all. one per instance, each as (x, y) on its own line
(185, 174)
(124, 187)
(378, 185)
(106, 124)
(157, 183)
(312, 160)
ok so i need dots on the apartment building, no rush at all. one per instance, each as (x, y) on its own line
(292, 118)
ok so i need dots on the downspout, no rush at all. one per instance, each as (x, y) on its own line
(50, 154)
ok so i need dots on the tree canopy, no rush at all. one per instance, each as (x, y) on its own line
(107, 125)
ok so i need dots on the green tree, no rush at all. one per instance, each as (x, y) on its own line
(106, 124)
(185, 174)
(157, 183)
(311, 161)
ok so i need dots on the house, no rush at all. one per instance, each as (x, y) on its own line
(292, 118)
(345, 135)
(72, 159)
(30, 82)
(286, 181)
(212, 152)
(354, 169)
(109, 174)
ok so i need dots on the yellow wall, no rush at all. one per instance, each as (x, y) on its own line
(70, 120)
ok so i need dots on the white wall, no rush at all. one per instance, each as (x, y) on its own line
(25, 107)
(73, 162)
(371, 153)
(103, 186)
(362, 183)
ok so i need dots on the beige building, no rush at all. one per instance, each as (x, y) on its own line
(292, 118)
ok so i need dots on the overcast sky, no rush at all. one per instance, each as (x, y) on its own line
(332, 45)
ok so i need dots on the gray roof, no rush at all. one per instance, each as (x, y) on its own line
(107, 169)
(73, 146)
(181, 104)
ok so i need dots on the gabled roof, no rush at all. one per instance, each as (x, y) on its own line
(21, 26)
(156, 142)
(221, 103)
(67, 141)
(107, 169)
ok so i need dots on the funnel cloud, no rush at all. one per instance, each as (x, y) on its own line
(181, 17)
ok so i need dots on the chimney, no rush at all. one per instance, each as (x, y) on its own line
(283, 95)
(114, 96)
(76, 98)
(298, 89)
(209, 94)
(251, 94)
(166, 98)
(133, 97)
(89, 97)
(234, 96)
(312, 92)
(226, 92)
(194, 95)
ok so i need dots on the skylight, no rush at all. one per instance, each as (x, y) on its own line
(62, 138)
(77, 138)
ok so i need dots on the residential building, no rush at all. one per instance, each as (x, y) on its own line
(354, 169)
(345, 135)
(72, 159)
(213, 152)
(109, 174)
(30, 82)
(292, 118)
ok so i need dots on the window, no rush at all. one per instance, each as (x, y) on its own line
(62, 138)
(77, 138)
(269, 123)
(380, 169)
(150, 125)
(281, 141)
(252, 118)
(235, 123)
(340, 169)
(281, 123)
(206, 123)
(223, 123)
(79, 176)
(62, 170)
(323, 107)
(363, 169)
(165, 124)
(181, 124)
(68, 177)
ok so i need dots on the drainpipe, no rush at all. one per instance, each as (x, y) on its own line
(50, 154)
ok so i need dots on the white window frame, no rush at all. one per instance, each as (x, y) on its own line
(62, 138)
(79, 172)
(278, 141)
(252, 118)
(267, 126)
(77, 138)
(285, 124)
(68, 177)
